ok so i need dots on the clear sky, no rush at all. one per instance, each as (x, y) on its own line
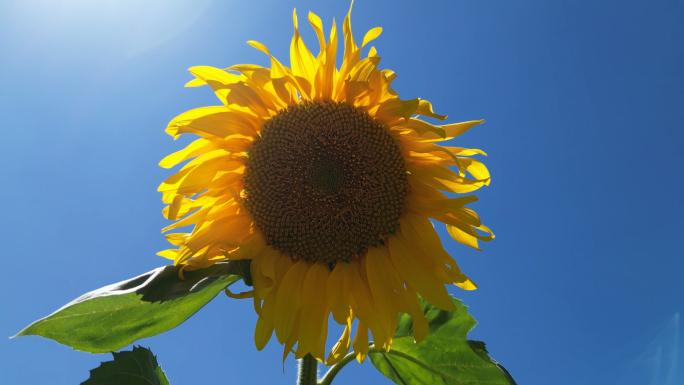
(583, 101)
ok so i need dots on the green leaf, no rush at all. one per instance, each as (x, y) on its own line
(165, 285)
(137, 367)
(479, 348)
(444, 357)
(117, 315)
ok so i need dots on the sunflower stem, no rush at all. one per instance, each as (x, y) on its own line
(308, 371)
(328, 378)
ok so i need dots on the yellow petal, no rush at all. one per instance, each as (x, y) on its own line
(435, 207)
(336, 292)
(243, 295)
(372, 52)
(317, 25)
(341, 348)
(420, 322)
(476, 168)
(216, 121)
(459, 279)
(392, 110)
(360, 343)
(304, 65)
(246, 98)
(382, 289)
(390, 75)
(262, 333)
(259, 79)
(358, 84)
(413, 267)
(283, 265)
(465, 283)
(420, 329)
(467, 221)
(468, 216)
(371, 35)
(216, 78)
(233, 227)
(268, 264)
(349, 44)
(259, 46)
(418, 151)
(263, 272)
(421, 128)
(325, 77)
(464, 233)
(252, 245)
(420, 230)
(223, 207)
(378, 85)
(352, 55)
(425, 109)
(198, 147)
(292, 337)
(285, 87)
(233, 91)
(450, 131)
(289, 300)
(177, 239)
(314, 307)
(319, 350)
(406, 298)
(362, 302)
(466, 151)
(284, 83)
(195, 83)
(442, 178)
(362, 71)
(196, 178)
(168, 254)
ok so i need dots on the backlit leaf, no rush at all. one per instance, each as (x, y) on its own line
(444, 357)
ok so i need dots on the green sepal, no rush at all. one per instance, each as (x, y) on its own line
(117, 315)
(136, 367)
(444, 357)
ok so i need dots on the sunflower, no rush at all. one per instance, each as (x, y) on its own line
(326, 181)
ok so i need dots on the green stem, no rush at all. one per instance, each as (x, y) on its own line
(327, 379)
(308, 371)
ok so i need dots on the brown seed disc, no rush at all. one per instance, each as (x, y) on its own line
(325, 182)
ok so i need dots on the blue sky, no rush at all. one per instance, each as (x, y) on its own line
(582, 284)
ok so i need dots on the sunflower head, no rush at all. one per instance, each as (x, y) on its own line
(327, 181)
